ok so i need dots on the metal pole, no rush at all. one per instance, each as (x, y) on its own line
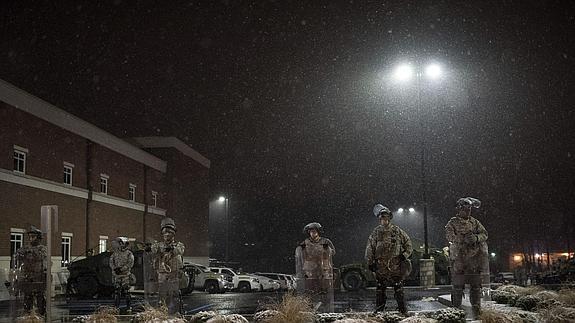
(423, 179)
(227, 230)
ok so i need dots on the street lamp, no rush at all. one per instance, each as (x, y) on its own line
(223, 199)
(404, 73)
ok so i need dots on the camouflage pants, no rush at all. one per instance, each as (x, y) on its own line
(384, 281)
(320, 291)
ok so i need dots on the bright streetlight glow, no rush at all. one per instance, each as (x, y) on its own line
(400, 210)
(433, 71)
(411, 210)
(222, 199)
(403, 73)
(493, 254)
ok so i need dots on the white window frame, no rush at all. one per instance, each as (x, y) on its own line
(66, 251)
(103, 244)
(70, 167)
(154, 199)
(132, 192)
(104, 183)
(16, 242)
(20, 155)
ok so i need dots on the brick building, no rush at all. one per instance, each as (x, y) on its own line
(104, 186)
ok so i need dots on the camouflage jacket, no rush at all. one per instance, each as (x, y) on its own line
(457, 229)
(121, 261)
(317, 258)
(387, 243)
(31, 261)
(168, 261)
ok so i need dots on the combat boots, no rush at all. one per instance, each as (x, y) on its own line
(380, 298)
(400, 298)
(456, 296)
(475, 300)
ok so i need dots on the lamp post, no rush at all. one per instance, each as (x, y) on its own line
(226, 201)
(404, 73)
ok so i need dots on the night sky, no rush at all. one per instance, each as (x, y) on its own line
(292, 103)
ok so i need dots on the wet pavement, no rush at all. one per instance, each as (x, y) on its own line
(248, 303)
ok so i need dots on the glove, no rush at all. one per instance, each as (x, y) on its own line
(373, 267)
(470, 238)
(401, 257)
(325, 246)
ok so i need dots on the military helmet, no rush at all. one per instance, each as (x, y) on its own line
(379, 210)
(313, 225)
(168, 223)
(467, 202)
(36, 231)
(120, 242)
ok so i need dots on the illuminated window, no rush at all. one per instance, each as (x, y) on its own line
(20, 160)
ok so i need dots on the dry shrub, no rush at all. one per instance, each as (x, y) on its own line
(514, 289)
(352, 320)
(32, 317)
(418, 319)
(558, 315)
(151, 314)
(567, 296)
(493, 316)
(530, 290)
(232, 318)
(292, 309)
(104, 314)
(546, 294)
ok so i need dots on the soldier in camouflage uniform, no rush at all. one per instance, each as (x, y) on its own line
(31, 266)
(121, 263)
(314, 267)
(387, 252)
(467, 253)
(169, 263)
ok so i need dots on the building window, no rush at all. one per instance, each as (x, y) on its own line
(16, 241)
(103, 244)
(132, 193)
(68, 171)
(154, 199)
(104, 184)
(20, 161)
(66, 246)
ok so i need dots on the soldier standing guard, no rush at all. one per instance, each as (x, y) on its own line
(468, 253)
(387, 252)
(121, 263)
(314, 267)
(168, 263)
(31, 267)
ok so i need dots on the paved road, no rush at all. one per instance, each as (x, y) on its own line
(249, 303)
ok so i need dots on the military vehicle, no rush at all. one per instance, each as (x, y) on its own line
(91, 277)
(357, 276)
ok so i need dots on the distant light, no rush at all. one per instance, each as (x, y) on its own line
(411, 210)
(493, 254)
(537, 255)
(222, 199)
(433, 71)
(400, 210)
(403, 73)
(517, 258)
